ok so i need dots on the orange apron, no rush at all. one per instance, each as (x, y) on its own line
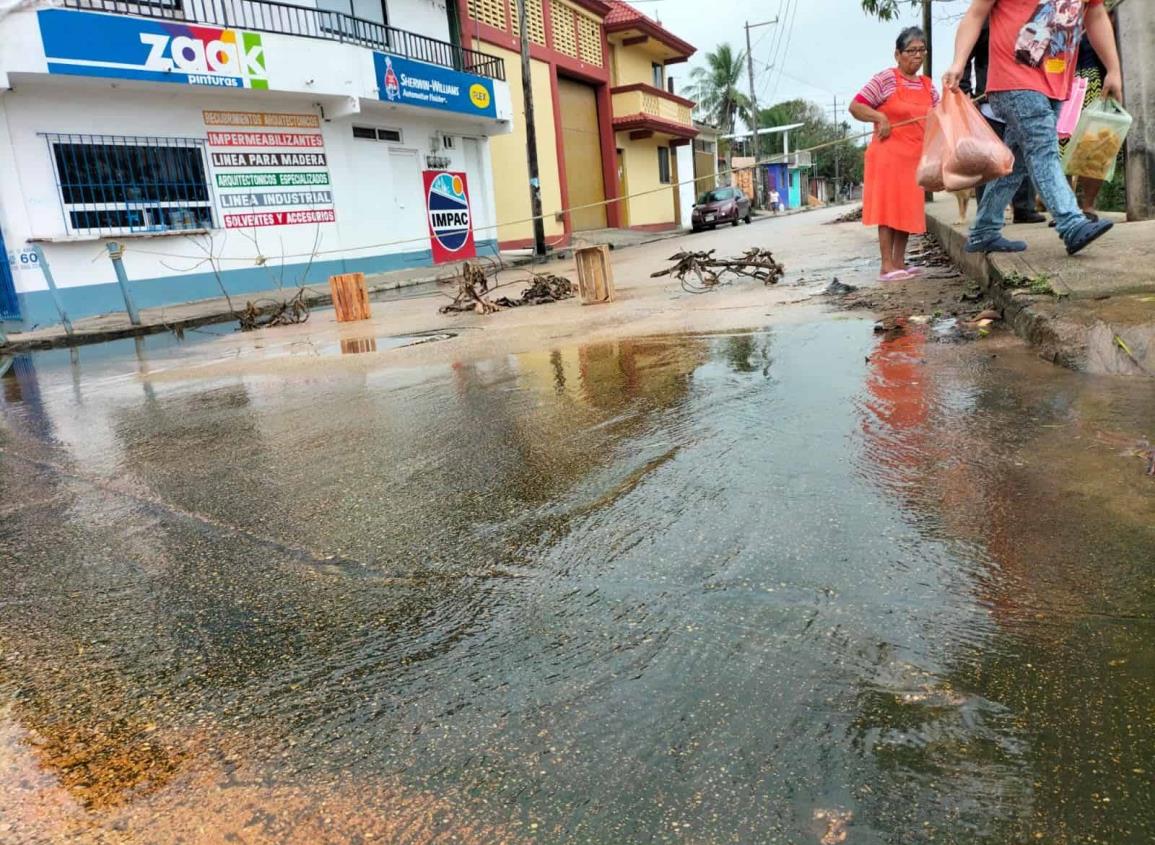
(891, 195)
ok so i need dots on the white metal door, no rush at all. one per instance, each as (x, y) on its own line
(408, 198)
(480, 192)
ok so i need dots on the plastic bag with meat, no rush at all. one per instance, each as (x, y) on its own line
(933, 153)
(974, 153)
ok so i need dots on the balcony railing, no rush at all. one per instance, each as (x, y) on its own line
(307, 22)
(631, 100)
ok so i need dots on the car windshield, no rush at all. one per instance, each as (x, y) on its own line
(714, 196)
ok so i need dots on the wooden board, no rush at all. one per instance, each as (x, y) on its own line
(350, 297)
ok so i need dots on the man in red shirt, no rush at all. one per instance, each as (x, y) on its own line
(1033, 54)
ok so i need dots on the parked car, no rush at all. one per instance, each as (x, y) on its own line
(721, 205)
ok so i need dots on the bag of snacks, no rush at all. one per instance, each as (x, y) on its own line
(974, 153)
(1094, 148)
(933, 153)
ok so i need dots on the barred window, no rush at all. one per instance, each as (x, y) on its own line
(111, 184)
(664, 165)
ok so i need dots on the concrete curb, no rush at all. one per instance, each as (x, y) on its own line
(1059, 341)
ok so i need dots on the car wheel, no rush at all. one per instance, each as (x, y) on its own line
(734, 222)
(695, 229)
(749, 220)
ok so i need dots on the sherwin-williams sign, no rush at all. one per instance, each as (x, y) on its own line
(410, 83)
(86, 44)
(450, 224)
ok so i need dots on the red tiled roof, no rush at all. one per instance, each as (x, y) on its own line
(624, 16)
(622, 12)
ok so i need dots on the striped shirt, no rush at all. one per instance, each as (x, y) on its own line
(882, 87)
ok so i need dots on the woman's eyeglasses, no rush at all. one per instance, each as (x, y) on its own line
(915, 51)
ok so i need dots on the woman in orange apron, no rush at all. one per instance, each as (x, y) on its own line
(897, 102)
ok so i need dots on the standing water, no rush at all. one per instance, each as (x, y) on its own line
(796, 586)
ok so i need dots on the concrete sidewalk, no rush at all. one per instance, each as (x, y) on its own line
(186, 315)
(1100, 317)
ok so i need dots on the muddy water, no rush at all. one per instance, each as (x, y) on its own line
(800, 585)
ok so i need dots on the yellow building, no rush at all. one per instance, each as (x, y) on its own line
(607, 127)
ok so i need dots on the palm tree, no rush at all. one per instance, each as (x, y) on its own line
(716, 88)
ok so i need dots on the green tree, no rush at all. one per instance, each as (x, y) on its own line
(716, 88)
(886, 10)
(845, 158)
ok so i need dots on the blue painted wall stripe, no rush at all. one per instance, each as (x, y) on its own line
(90, 300)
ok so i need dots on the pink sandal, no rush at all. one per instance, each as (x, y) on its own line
(913, 272)
(895, 276)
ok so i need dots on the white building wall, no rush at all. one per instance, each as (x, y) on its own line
(686, 194)
(377, 196)
(429, 17)
(372, 218)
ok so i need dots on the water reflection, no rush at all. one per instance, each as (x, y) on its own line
(741, 588)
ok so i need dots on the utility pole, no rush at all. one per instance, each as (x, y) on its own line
(531, 137)
(837, 155)
(928, 28)
(1136, 28)
(754, 106)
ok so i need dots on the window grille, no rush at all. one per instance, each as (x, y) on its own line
(113, 184)
(589, 40)
(564, 28)
(491, 12)
(536, 20)
(370, 133)
(664, 165)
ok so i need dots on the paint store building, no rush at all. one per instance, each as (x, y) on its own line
(249, 143)
(607, 125)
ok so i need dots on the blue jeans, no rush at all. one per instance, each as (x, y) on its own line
(1032, 131)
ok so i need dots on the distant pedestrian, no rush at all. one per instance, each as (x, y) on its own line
(775, 201)
(1033, 55)
(897, 102)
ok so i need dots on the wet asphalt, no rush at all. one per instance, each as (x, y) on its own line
(802, 584)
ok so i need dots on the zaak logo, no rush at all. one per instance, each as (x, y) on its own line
(205, 54)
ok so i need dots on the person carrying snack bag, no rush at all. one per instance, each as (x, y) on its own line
(1033, 57)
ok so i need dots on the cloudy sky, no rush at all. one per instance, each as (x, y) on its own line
(819, 49)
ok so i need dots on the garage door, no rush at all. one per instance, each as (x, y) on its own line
(583, 153)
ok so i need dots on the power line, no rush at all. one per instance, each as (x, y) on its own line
(786, 50)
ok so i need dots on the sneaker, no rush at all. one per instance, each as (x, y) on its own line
(996, 244)
(1030, 217)
(1087, 234)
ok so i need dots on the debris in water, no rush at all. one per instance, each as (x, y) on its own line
(473, 292)
(472, 287)
(700, 272)
(838, 288)
(836, 822)
(266, 313)
(544, 290)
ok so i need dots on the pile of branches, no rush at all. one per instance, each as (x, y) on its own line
(473, 291)
(854, 216)
(266, 313)
(700, 272)
(544, 290)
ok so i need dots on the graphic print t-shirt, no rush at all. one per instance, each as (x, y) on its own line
(1035, 45)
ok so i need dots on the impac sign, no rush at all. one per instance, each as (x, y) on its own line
(450, 223)
(84, 44)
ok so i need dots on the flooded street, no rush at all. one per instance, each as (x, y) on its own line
(802, 584)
